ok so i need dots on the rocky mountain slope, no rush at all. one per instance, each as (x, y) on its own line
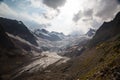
(107, 31)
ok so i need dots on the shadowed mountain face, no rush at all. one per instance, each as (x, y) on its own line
(5, 41)
(17, 28)
(107, 31)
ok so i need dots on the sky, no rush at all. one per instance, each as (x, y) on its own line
(67, 16)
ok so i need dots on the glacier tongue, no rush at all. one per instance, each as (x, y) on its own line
(47, 59)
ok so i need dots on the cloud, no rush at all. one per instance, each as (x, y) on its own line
(6, 11)
(93, 15)
(96, 24)
(77, 16)
(1, 1)
(51, 14)
(31, 20)
(63, 15)
(118, 1)
(98, 12)
(35, 3)
(54, 3)
(107, 9)
(87, 14)
(38, 6)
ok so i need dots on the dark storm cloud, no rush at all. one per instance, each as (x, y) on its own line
(54, 3)
(107, 8)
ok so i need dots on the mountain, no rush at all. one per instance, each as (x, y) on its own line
(60, 35)
(17, 38)
(107, 31)
(51, 36)
(17, 28)
(91, 32)
(76, 50)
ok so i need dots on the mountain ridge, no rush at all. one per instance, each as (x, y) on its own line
(18, 28)
(107, 31)
(52, 36)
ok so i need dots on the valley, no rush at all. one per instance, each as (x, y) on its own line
(43, 55)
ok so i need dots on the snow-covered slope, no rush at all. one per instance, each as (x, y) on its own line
(44, 34)
(59, 46)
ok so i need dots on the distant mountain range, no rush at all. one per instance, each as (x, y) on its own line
(52, 36)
